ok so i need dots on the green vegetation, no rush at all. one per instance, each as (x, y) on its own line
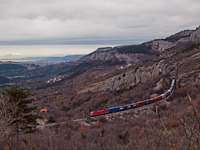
(79, 69)
(4, 80)
(12, 73)
(88, 99)
(124, 138)
(77, 104)
(16, 115)
(83, 67)
(191, 47)
(10, 70)
(51, 120)
(121, 91)
(113, 62)
(64, 108)
(17, 104)
(175, 38)
(142, 49)
(188, 49)
(8, 67)
(101, 103)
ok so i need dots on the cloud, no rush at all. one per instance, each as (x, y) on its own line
(89, 20)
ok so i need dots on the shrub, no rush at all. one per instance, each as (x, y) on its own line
(101, 103)
(51, 120)
(124, 138)
(135, 49)
(181, 92)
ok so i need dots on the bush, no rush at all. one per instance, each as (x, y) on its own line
(51, 120)
(181, 92)
(191, 47)
(64, 108)
(142, 49)
(124, 138)
(101, 103)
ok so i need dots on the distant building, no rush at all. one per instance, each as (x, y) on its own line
(128, 64)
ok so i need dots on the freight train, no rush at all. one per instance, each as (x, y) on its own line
(134, 105)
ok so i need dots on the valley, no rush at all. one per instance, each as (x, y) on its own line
(116, 76)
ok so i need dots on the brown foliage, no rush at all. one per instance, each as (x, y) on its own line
(171, 123)
(181, 92)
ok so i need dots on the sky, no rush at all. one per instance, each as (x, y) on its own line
(29, 23)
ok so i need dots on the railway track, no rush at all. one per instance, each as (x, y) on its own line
(133, 112)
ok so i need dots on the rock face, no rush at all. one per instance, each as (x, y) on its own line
(178, 36)
(130, 78)
(112, 54)
(144, 74)
(109, 53)
(100, 56)
(195, 36)
(171, 41)
(161, 45)
(103, 49)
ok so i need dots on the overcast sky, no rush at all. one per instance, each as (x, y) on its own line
(100, 22)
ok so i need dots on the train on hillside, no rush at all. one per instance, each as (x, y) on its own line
(134, 105)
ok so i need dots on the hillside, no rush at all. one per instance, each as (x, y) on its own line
(116, 76)
(8, 67)
(118, 72)
(114, 57)
(4, 80)
(110, 71)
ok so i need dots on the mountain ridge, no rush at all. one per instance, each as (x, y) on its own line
(106, 76)
(158, 45)
(48, 58)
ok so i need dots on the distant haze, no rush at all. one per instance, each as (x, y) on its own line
(91, 22)
(21, 51)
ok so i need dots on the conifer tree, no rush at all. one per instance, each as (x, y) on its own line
(24, 113)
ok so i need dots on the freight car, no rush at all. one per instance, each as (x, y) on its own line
(134, 105)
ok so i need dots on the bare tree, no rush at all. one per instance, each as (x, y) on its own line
(15, 115)
(8, 110)
(190, 128)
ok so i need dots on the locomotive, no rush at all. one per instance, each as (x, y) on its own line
(134, 105)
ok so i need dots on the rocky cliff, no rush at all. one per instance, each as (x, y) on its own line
(113, 55)
(161, 45)
(195, 36)
(168, 67)
(142, 74)
(158, 46)
(172, 41)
